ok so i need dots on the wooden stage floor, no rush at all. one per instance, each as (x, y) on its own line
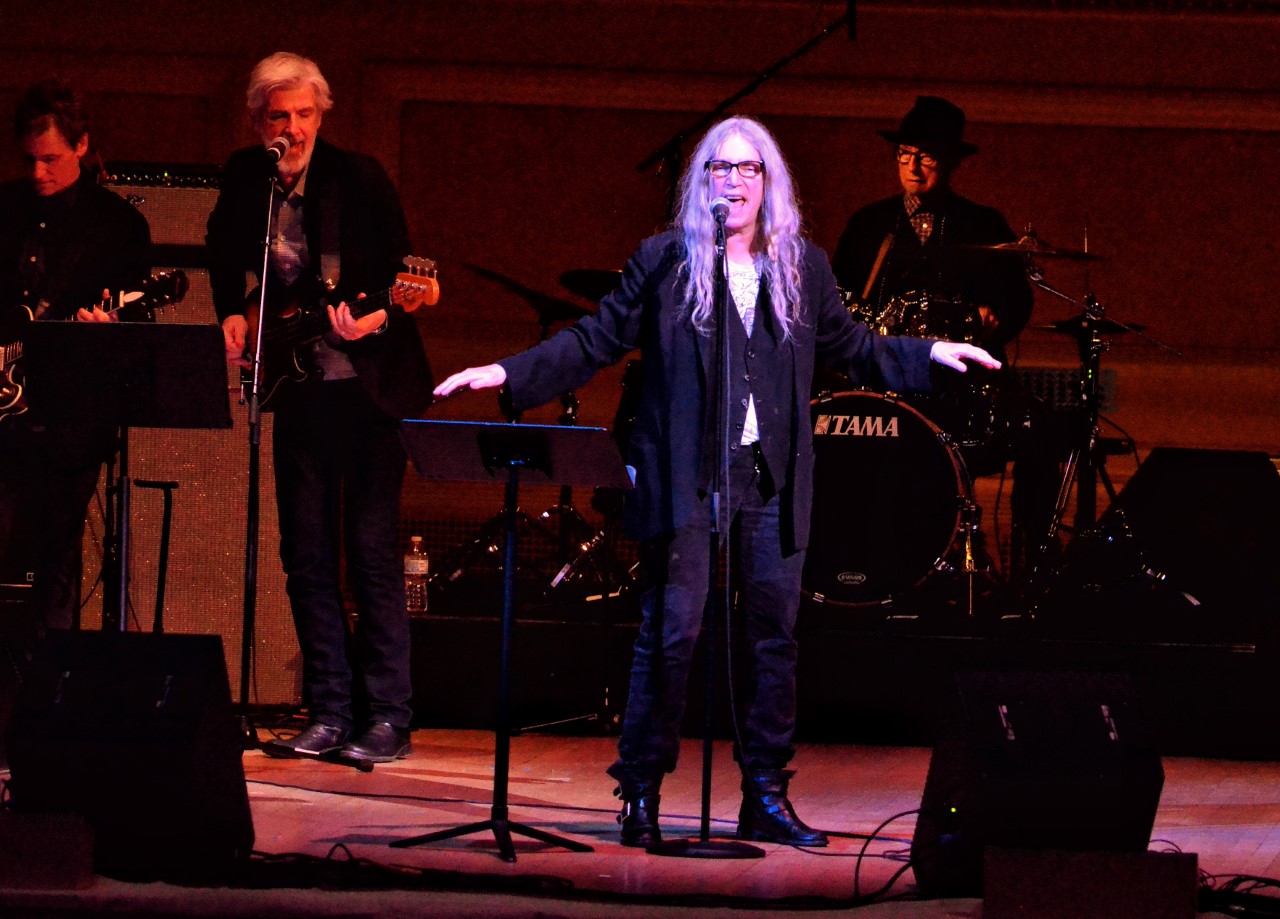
(1227, 812)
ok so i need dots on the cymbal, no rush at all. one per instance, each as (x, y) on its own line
(549, 309)
(1037, 248)
(1077, 324)
(592, 283)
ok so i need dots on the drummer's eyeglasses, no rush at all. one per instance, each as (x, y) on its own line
(748, 169)
(905, 155)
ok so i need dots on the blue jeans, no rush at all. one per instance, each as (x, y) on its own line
(674, 597)
(339, 467)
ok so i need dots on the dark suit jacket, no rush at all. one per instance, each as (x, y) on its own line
(101, 241)
(941, 266)
(351, 205)
(648, 311)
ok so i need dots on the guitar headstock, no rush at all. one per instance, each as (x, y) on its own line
(418, 286)
(162, 289)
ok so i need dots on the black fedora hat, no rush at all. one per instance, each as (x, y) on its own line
(935, 125)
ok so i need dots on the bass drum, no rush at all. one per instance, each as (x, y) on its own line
(889, 491)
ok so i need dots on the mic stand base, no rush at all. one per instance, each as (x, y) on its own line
(705, 848)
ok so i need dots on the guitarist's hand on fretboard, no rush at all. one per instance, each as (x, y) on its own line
(100, 313)
(350, 328)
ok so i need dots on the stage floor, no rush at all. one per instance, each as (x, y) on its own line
(1227, 812)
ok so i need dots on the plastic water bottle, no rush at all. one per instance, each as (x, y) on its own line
(416, 568)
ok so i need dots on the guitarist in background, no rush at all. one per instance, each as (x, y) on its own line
(339, 463)
(65, 242)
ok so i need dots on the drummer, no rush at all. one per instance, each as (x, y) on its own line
(922, 249)
(914, 245)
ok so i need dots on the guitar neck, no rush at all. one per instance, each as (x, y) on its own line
(289, 332)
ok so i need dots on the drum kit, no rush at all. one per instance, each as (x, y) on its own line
(895, 524)
(894, 516)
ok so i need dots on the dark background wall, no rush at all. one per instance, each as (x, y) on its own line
(514, 129)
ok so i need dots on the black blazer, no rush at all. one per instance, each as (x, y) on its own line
(648, 311)
(350, 197)
(102, 241)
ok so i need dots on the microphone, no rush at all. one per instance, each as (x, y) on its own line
(720, 209)
(278, 148)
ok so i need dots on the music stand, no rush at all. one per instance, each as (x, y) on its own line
(127, 374)
(460, 451)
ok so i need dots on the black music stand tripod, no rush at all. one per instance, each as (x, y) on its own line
(459, 451)
(144, 375)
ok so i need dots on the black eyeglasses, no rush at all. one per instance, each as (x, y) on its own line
(905, 155)
(748, 169)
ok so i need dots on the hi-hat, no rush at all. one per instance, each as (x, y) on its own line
(1080, 322)
(592, 283)
(1033, 246)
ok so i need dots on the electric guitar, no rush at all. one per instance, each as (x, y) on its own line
(161, 290)
(300, 318)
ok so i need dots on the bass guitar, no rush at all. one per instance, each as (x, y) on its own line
(161, 290)
(298, 321)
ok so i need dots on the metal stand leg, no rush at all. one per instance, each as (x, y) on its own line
(157, 622)
(498, 821)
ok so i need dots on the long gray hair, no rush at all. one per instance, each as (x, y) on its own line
(778, 240)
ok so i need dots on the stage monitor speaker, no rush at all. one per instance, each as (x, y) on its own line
(136, 733)
(1034, 760)
(1206, 521)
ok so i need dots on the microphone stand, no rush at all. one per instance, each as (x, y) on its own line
(704, 846)
(248, 733)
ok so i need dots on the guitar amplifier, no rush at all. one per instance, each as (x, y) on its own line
(176, 200)
(206, 562)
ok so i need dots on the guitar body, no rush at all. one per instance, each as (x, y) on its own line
(157, 292)
(13, 327)
(297, 317)
(285, 342)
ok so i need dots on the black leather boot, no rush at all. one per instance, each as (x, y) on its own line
(639, 817)
(767, 815)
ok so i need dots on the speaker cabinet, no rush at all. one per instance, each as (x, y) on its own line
(136, 733)
(1186, 551)
(205, 569)
(1034, 760)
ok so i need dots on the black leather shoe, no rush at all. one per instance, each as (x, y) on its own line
(315, 741)
(767, 815)
(380, 743)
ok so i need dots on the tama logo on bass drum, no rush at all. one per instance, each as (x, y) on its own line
(856, 426)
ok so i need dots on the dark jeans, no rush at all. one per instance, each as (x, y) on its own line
(675, 593)
(339, 467)
(47, 478)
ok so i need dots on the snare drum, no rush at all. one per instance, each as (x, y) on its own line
(889, 492)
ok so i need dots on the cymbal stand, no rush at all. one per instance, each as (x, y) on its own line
(588, 555)
(1086, 463)
(973, 559)
(573, 530)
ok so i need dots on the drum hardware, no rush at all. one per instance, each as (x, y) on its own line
(586, 554)
(572, 530)
(917, 314)
(591, 283)
(1077, 324)
(550, 309)
(1085, 465)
